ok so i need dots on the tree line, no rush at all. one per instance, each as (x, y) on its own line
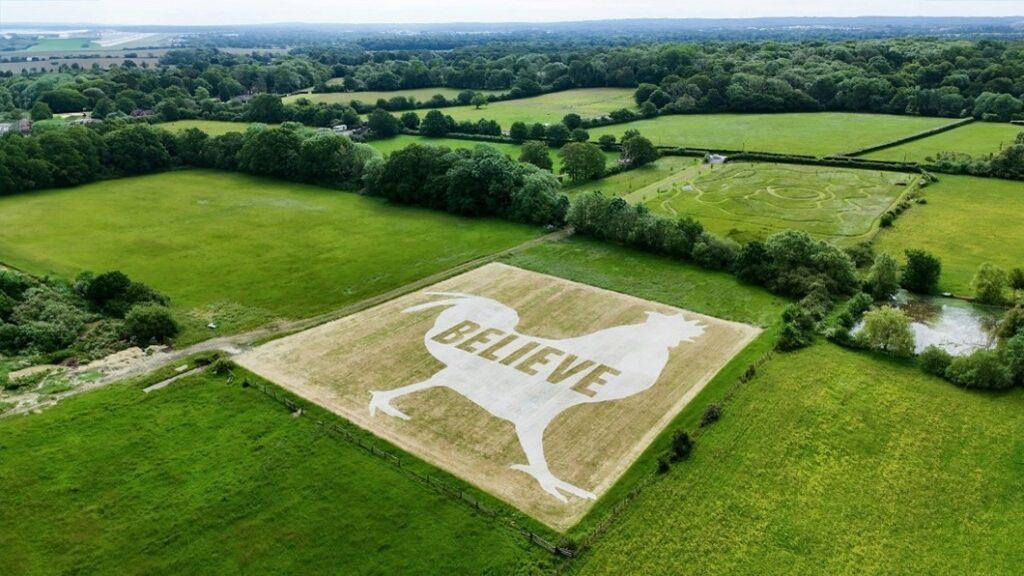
(901, 76)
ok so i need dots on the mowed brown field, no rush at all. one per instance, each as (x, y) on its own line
(481, 358)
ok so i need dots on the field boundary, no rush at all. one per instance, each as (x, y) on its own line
(395, 459)
(905, 139)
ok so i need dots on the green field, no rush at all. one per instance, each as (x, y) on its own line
(967, 221)
(811, 133)
(237, 249)
(548, 108)
(205, 477)
(61, 44)
(747, 201)
(211, 127)
(371, 97)
(976, 139)
(652, 277)
(836, 462)
(513, 150)
(624, 183)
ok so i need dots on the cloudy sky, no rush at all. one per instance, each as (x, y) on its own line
(361, 11)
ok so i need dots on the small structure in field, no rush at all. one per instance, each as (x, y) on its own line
(716, 159)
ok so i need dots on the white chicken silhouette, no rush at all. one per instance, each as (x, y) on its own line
(626, 359)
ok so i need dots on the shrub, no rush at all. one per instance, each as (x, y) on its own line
(100, 289)
(989, 284)
(862, 254)
(714, 252)
(817, 302)
(411, 120)
(606, 142)
(149, 323)
(797, 329)
(682, 445)
(638, 151)
(664, 464)
(1017, 277)
(935, 361)
(711, 415)
(983, 369)
(1011, 324)
(220, 367)
(536, 153)
(1012, 353)
(922, 272)
(582, 161)
(884, 278)
(887, 329)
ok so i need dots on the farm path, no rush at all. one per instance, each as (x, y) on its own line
(234, 344)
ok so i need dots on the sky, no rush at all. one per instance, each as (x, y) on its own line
(419, 11)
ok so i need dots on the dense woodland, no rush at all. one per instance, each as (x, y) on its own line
(901, 76)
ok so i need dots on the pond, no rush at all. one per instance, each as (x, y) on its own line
(956, 326)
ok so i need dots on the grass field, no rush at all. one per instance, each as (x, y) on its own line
(211, 127)
(478, 429)
(967, 221)
(624, 183)
(238, 249)
(976, 139)
(812, 133)
(513, 150)
(371, 97)
(62, 44)
(747, 201)
(548, 108)
(835, 462)
(204, 477)
(655, 278)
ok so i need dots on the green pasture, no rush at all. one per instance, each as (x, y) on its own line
(976, 139)
(208, 477)
(966, 221)
(657, 278)
(240, 250)
(513, 150)
(211, 127)
(548, 108)
(835, 462)
(370, 97)
(61, 44)
(747, 201)
(810, 133)
(624, 183)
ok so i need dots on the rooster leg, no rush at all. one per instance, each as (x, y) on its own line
(532, 440)
(381, 400)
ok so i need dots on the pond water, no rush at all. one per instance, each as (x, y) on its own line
(956, 326)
